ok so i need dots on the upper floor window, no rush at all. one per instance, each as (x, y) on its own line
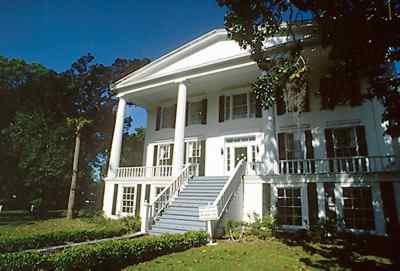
(168, 117)
(239, 106)
(346, 142)
(196, 112)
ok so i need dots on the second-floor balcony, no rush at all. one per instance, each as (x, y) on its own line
(353, 165)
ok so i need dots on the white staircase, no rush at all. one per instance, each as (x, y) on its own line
(182, 214)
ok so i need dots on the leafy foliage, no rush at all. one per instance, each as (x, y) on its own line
(108, 255)
(363, 38)
(36, 143)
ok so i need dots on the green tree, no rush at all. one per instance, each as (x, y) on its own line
(363, 38)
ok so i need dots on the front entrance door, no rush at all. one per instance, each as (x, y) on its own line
(236, 152)
(240, 153)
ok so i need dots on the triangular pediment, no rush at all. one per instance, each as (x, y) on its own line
(213, 47)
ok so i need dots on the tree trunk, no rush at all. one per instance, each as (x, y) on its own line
(71, 200)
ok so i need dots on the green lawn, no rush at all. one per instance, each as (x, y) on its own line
(265, 255)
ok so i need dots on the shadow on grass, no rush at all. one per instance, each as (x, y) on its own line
(347, 252)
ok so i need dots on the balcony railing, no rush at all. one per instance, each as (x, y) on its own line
(356, 164)
(148, 172)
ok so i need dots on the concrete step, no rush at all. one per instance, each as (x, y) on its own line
(176, 227)
(191, 223)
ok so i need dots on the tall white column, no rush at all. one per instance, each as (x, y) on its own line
(117, 139)
(178, 162)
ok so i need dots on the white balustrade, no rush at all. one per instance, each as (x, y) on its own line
(355, 164)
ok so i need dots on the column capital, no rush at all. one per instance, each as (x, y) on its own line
(184, 81)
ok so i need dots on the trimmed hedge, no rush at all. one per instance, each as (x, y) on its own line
(13, 244)
(107, 255)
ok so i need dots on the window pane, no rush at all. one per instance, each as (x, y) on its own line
(239, 107)
(195, 112)
(357, 209)
(289, 206)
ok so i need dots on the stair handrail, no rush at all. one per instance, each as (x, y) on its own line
(229, 189)
(164, 198)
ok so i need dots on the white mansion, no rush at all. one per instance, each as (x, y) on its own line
(210, 146)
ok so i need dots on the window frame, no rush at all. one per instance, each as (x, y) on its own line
(229, 108)
(163, 161)
(303, 200)
(164, 122)
(371, 209)
(123, 211)
(199, 113)
(335, 141)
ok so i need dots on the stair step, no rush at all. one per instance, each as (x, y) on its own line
(191, 223)
(195, 189)
(197, 197)
(191, 204)
(165, 231)
(178, 227)
(210, 178)
(179, 217)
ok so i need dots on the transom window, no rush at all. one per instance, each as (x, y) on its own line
(357, 209)
(168, 117)
(289, 206)
(128, 200)
(195, 113)
(240, 106)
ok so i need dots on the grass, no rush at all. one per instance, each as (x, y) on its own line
(266, 255)
(30, 228)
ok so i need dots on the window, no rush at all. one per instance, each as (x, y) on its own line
(253, 105)
(228, 159)
(128, 200)
(195, 112)
(164, 155)
(159, 189)
(168, 117)
(345, 142)
(293, 146)
(289, 206)
(227, 107)
(193, 152)
(239, 107)
(357, 208)
(253, 157)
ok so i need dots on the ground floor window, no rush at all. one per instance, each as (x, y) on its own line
(128, 199)
(358, 212)
(159, 189)
(289, 206)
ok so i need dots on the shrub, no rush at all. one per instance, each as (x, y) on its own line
(132, 223)
(262, 227)
(107, 255)
(234, 229)
(323, 230)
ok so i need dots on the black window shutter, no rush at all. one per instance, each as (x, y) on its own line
(138, 199)
(281, 146)
(174, 118)
(221, 108)
(309, 146)
(280, 106)
(329, 143)
(266, 199)
(361, 141)
(258, 109)
(204, 111)
(187, 115)
(171, 151)
(312, 203)
(158, 118)
(389, 206)
(155, 155)
(147, 193)
(184, 152)
(202, 158)
(114, 203)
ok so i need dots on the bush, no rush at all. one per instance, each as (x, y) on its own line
(11, 244)
(107, 255)
(323, 230)
(262, 227)
(132, 223)
(234, 229)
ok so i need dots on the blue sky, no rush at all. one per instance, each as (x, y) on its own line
(55, 33)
